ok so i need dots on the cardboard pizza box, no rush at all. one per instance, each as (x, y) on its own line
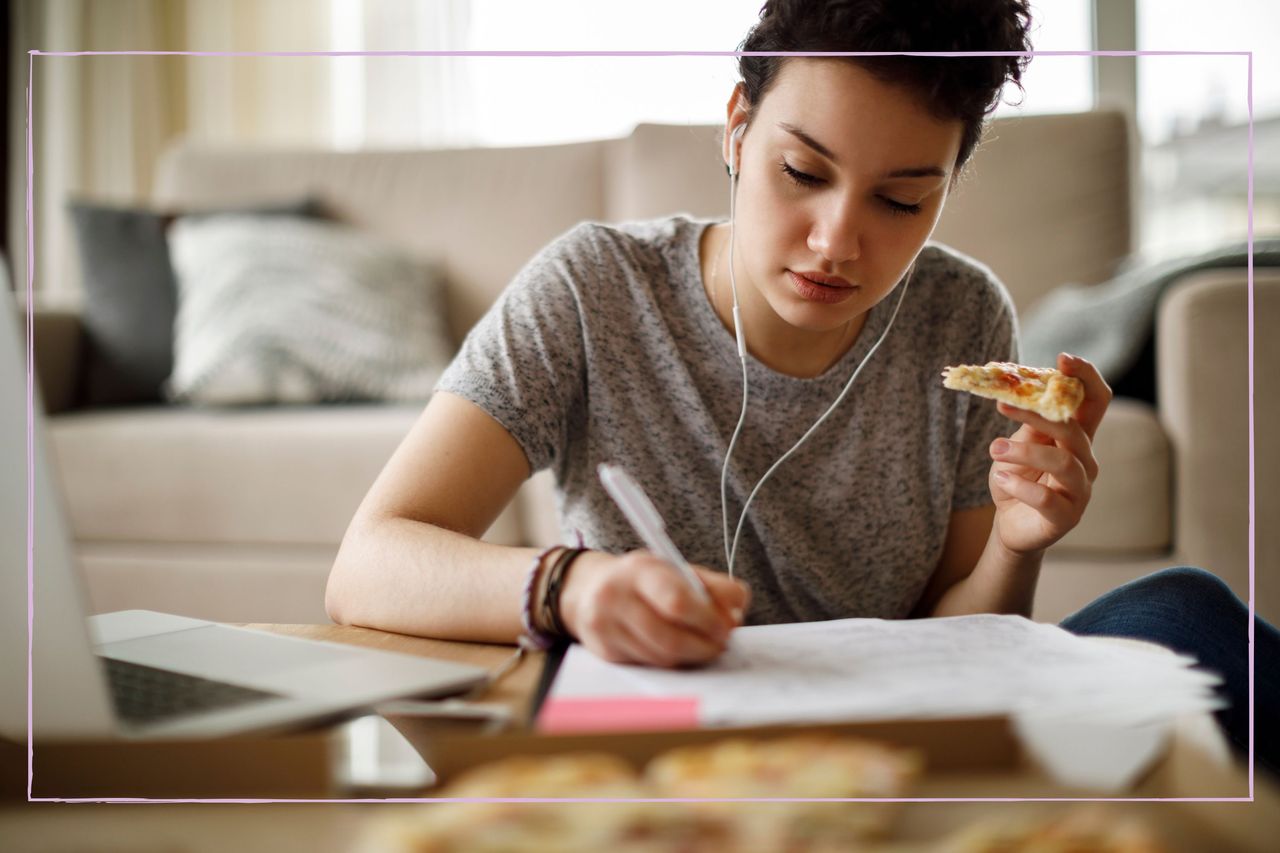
(299, 766)
(977, 768)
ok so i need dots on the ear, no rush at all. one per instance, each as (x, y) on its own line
(735, 120)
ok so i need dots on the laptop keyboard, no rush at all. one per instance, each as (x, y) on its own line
(144, 694)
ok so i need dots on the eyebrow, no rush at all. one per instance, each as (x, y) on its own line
(910, 172)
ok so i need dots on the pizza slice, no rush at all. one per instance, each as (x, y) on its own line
(1043, 390)
(794, 766)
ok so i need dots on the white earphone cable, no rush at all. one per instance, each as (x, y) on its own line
(731, 550)
(742, 357)
(742, 518)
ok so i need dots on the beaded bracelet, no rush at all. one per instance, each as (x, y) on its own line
(534, 636)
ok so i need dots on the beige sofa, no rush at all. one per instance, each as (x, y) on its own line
(237, 514)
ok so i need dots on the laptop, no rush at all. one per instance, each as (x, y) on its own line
(141, 674)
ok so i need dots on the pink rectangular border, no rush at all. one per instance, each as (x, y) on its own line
(30, 355)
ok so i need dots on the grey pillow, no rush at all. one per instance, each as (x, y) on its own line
(130, 297)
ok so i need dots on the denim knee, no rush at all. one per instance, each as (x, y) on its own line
(1184, 584)
(1157, 604)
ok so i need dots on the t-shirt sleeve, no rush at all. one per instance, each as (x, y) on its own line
(983, 423)
(523, 362)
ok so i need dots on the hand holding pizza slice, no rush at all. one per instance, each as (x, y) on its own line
(1042, 476)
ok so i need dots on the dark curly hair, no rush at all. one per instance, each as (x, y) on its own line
(964, 88)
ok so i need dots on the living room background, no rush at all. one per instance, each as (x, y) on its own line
(417, 153)
(1190, 111)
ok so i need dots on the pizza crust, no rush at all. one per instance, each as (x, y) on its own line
(1048, 392)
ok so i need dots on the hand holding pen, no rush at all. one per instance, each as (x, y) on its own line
(642, 608)
(648, 524)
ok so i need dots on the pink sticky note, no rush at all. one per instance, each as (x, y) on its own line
(567, 715)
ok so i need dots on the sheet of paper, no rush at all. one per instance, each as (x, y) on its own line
(861, 669)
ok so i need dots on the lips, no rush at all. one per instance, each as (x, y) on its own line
(818, 290)
(828, 280)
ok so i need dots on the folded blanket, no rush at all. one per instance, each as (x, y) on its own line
(1113, 324)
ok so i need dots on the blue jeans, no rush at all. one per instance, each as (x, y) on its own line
(1192, 611)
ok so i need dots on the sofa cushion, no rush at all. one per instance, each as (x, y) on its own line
(221, 582)
(289, 310)
(289, 476)
(1131, 503)
(1077, 194)
(662, 169)
(275, 475)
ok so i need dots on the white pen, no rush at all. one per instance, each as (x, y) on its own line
(639, 510)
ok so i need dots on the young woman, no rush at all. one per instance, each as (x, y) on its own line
(618, 344)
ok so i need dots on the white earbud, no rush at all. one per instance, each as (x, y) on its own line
(734, 141)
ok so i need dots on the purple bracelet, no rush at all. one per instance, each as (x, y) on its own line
(533, 637)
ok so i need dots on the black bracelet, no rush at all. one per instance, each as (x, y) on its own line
(545, 617)
(555, 584)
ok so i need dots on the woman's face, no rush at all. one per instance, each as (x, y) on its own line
(841, 176)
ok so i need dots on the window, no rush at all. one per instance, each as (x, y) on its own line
(1057, 84)
(1193, 117)
(1178, 94)
(504, 101)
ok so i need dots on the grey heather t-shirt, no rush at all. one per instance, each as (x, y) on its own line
(604, 348)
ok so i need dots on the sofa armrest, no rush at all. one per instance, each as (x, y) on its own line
(1202, 351)
(58, 340)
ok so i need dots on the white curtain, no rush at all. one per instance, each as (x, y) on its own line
(100, 122)
(97, 122)
(401, 101)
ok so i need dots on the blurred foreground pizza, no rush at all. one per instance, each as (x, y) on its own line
(797, 766)
(625, 811)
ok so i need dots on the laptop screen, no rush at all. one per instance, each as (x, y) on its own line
(69, 693)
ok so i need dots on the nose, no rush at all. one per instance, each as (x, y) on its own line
(834, 232)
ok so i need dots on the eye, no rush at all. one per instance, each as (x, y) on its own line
(898, 208)
(803, 179)
(800, 178)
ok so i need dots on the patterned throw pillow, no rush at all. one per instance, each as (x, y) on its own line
(291, 310)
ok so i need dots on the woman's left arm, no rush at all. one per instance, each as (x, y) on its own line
(1041, 481)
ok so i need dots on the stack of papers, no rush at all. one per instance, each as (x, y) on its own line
(1093, 712)
(875, 669)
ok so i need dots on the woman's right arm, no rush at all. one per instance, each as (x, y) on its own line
(411, 560)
